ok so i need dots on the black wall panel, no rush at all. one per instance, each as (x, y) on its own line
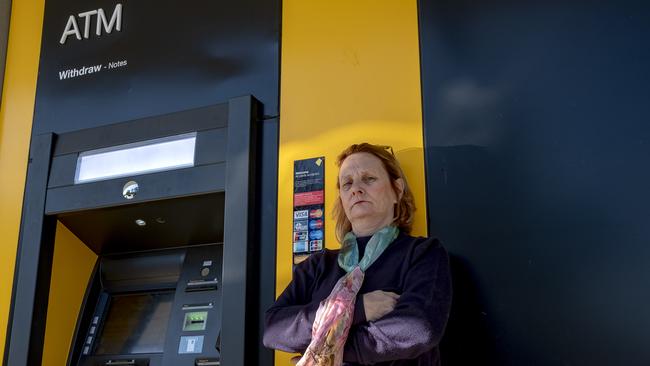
(537, 142)
(179, 55)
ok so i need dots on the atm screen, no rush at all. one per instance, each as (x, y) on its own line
(135, 323)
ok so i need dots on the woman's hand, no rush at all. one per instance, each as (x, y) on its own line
(378, 303)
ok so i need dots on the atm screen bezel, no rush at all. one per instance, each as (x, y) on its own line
(104, 308)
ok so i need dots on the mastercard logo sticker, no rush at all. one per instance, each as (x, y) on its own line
(315, 224)
(316, 214)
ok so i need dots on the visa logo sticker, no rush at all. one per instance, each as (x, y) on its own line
(300, 215)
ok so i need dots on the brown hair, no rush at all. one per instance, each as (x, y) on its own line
(404, 209)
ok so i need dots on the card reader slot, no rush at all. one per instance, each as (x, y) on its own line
(187, 307)
(202, 282)
(201, 285)
(119, 362)
(195, 321)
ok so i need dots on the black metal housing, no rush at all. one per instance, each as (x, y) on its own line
(223, 185)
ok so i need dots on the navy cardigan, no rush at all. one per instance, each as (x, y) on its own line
(415, 268)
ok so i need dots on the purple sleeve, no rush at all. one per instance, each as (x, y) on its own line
(289, 321)
(418, 321)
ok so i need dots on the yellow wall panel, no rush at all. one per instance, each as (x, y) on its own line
(349, 73)
(71, 269)
(16, 113)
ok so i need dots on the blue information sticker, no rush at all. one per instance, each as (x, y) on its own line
(300, 247)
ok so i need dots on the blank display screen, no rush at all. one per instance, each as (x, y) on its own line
(135, 323)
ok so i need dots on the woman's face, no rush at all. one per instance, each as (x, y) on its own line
(366, 193)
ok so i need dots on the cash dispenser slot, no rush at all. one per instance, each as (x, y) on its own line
(127, 362)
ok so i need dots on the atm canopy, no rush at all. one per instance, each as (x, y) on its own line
(171, 206)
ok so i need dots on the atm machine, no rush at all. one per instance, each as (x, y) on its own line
(167, 205)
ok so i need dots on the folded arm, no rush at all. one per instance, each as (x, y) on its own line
(289, 321)
(417, 323)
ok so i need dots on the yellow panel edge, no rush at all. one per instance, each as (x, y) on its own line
(16, 114)
(72, 267)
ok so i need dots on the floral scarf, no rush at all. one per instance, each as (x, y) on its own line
(334, 315)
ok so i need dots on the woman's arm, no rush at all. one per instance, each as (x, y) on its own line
(289, 321)
(418, 321)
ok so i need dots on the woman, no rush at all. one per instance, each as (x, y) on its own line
(401, 283)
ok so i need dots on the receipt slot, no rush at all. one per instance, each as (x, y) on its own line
(167, 203)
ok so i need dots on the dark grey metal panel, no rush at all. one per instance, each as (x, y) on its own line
(163, 185)
(190, 220)
(211, 146)
(63, 170)
(538, 146)
(238, 233)
(210, 149)
(34, 263)
(142, 272)
(266, 218)
(198, 119)
(180, 55)
(192, 266)
(84, 319)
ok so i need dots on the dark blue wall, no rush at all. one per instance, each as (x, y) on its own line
(537, 124)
